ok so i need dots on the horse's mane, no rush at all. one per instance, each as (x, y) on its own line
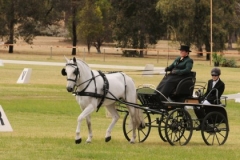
(83, 62)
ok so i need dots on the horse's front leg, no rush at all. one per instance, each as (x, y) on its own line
(115, 117)
(89, 124)
(86, 112)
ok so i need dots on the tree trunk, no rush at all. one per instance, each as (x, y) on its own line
(98, 45)
(141, 45)
(88, 46)
(200, 51)
(11, 28)
(98, 49)
(74, 30)
(229, 40)
(208, 49)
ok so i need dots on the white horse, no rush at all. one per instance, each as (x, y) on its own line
(94, 89)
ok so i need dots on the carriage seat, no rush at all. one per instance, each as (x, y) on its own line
(184, 88)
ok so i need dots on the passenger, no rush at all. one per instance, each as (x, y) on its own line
(211, 97)
(214, 85)
(179, 69)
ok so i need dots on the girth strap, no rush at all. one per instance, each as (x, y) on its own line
(105, 89)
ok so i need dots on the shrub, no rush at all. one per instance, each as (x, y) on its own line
(228, 63)
(217, 59)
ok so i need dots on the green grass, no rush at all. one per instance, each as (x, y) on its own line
(43, 117)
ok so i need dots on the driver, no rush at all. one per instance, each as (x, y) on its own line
(179, 69)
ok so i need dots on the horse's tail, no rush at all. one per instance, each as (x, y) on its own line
(139, 118)
(132, 97)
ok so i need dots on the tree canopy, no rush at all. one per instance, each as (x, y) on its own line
(132, 24)
(190, 21)
(23, 18)
(136, 23)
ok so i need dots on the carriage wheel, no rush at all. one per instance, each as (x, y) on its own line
(178, 127)
(214, 128)
(142, 133)
(161, 127)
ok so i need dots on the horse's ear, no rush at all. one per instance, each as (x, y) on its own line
(64, 73)
(66, 59)
(74, 60)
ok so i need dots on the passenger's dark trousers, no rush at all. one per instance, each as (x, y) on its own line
(168, 84)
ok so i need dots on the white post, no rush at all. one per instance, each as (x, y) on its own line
(211, 43)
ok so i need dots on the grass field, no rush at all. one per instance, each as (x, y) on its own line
(43, 115)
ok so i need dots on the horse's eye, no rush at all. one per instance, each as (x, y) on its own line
(64, 73)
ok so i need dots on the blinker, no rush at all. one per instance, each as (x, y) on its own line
(76, 72)
(64, 73)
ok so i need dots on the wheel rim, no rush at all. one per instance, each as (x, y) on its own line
(178, 128)
(215, 129)
(142, 133)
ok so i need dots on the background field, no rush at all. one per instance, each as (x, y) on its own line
(43, 115)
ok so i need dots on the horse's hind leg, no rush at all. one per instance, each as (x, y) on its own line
(133, 118)
(115, 116)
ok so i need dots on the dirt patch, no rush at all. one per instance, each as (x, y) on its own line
(59, 46)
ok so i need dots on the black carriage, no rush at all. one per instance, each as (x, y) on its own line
(180, 115)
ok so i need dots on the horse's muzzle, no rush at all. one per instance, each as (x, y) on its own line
(69, 89)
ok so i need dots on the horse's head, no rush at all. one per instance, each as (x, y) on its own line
(72, 72)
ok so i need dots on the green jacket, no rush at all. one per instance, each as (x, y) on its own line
(181, 67)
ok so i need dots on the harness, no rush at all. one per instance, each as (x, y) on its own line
(105, 89)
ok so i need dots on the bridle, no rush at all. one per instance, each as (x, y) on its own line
(76, 72)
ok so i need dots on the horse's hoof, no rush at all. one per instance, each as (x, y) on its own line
(141, 126)
(78, 141)
(107, 139)
(131, 142)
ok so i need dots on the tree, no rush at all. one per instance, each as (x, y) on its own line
(136, 24)
(90, 25)
(73, 23)
(105, 35)
(22, 18)
(191, 21)
(179, 15)
(94, 27)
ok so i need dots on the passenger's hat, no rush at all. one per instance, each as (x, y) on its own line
(184, 48)
(215, 71)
